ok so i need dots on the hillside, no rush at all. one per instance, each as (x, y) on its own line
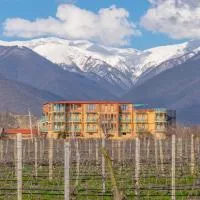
(17, 97)
(23, 65)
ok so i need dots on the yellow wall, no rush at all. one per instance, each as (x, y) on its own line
(125, 123)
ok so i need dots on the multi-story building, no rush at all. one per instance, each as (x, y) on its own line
(95, 119)
(156, 121)
(87, 119)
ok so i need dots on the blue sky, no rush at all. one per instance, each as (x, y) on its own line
(34, 9)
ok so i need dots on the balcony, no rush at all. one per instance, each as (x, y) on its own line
(74, 120)
(42, 129)
(74, 130)
(141, 120)
(161, 119)
(161, 129)
(125, 130)
(160, 110)
(107, 121)
(125, 120)
(92, 120)
(59, 129)
(91, 130)
(44, 119)
(141, 130)
(59, 111)
(60, 120)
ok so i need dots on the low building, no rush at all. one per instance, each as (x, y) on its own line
(26, 133)
(95, 119)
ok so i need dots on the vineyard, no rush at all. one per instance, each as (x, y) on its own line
(143, 168)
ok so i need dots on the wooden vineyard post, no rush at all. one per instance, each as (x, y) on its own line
(89, 149)
(103, 170)
(148, 149)
(15, 155)
(41, 150)
(97, 152)
(7, 145)
(180, 151)
(173, 167)
(145, 146)
(66, 170)
(137, 167)
(161, 155)
(112, 150)
(119, 151)
(29, 148)
(1, 150)
(192, 155)
(50, 159)
(130, 149)
(197, 145)
(24, 153)
(36, 157)
(19, 166)
(123, 151)
(77, 163)
(156, 152)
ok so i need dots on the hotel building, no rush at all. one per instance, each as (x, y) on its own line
(95, 119)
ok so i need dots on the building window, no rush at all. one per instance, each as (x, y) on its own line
(91, 107)
(124, 107)
(74, 106)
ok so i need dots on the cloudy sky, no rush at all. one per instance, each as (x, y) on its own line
(134, 23)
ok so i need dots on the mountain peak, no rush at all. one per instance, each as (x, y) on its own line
(121, 66)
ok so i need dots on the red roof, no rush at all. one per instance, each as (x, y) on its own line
(88, 102)
(22, 131)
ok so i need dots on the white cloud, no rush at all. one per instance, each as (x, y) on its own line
(179, 19)
(109, 26)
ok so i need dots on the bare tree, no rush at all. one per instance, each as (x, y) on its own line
(105, 123)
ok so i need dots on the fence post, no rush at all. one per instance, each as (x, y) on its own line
(112, 151)
(161, 155)
(192, 155)
(19, 166)
(123, 152)
(148, 149)
(1, 150)
(97, 152)
(130, 150)
(137, 167)
(50, 159)
(29, 148)
(180, 151)
(77, 162)
(41, 151)
(15, 155)
(119, 151)
(103, 169)
(156, 152)
(173, 167)
(66, 170)
(144, 146)
(36, 158)
(89, 149)
(7, 145)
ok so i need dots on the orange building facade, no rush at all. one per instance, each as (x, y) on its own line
(96, 119)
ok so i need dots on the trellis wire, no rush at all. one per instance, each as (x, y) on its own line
(45, 170)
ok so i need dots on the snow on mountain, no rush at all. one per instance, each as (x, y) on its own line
(118, 66)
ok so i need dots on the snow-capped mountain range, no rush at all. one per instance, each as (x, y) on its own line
(120, 67)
